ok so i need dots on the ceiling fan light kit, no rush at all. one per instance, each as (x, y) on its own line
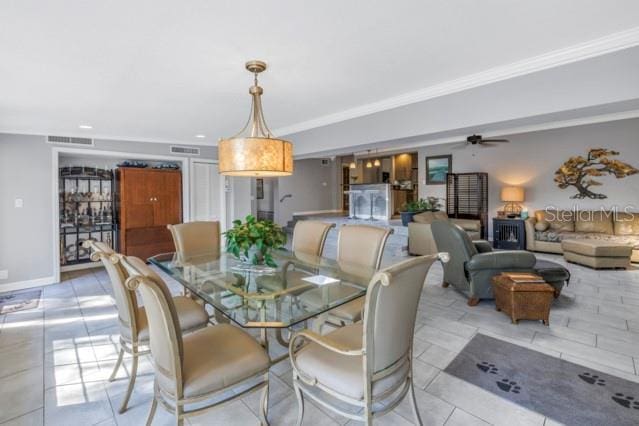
(254, 151)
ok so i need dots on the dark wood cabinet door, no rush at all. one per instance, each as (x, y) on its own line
(167, 208)
(136, 199)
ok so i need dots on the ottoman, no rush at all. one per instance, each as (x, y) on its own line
(553, 273)
(597, 253)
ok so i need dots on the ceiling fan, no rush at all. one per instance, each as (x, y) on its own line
(478, 140)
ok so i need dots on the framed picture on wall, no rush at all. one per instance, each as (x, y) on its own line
(437, 167)
(259, 189)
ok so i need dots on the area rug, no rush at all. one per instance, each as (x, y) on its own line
(561, 390)
(14, 302)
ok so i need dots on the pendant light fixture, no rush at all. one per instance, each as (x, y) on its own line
(353, 164)
(377, 163)
(254, 151)
(369, 163)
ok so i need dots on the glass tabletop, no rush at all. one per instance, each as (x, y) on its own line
(299, 288)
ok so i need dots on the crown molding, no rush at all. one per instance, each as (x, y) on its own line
(578, 52)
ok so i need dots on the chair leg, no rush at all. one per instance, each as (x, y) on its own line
(418, 419)
(118, 363)
(133, 375)
(154, 406)
(179, 420)
(300, 402)
(264, 404)
(473, 301)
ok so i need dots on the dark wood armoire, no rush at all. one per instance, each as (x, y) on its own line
(148, 200)
(467, 198)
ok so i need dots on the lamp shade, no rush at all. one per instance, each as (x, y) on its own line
(512, 194)
(255, 156)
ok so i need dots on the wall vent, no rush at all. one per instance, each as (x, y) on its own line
(325, 162)
(67, 140)
(185, 150)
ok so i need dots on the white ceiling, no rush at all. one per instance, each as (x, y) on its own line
(163, 70)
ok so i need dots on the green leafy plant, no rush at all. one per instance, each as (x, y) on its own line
(254, 240)
(422, 205)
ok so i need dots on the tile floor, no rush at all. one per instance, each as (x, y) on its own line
(54, 360)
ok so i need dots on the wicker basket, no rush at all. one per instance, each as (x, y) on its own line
(522, 300)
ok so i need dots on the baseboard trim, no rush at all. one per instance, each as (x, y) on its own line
(23, 285)
(80, 266)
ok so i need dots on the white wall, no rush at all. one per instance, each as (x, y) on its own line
(313, 187)
(26, 245)
(531, 159)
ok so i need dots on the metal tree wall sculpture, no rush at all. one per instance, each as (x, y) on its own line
(580, 172)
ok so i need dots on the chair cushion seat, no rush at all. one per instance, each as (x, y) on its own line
(293, 281)
(220, 356)
(191, 315)
(342, 373)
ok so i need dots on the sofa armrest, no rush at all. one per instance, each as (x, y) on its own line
(468, 224)
(483, 246)
(507, 259)
(530, 233)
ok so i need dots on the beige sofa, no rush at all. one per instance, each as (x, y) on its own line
(547, 228)
(420, 237)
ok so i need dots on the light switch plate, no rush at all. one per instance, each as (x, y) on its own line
(4, 274)
(19, 203)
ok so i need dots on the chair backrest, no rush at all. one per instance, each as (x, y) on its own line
(454, 240)
(362, 245)
(196, 239)
(125, 299)
(309, 237)
(391, 310)
(165, 335)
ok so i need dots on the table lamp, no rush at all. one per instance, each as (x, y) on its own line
(512, 196)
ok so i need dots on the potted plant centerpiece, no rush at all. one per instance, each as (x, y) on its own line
(254, 240)
(412, 208)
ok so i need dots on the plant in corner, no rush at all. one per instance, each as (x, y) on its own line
(412, 208)
(254, 240)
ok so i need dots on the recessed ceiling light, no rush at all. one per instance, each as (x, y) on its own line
(85, 126)
(200, 136)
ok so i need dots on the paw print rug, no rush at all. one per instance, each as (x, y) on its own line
(566, 392)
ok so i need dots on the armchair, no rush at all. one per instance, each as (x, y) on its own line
(473, 263)
(367, 365)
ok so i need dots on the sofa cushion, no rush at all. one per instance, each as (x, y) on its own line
(557, 237)
(626, 223)
(559, 220)
(467, 224)
(542, 226)
(594, 222)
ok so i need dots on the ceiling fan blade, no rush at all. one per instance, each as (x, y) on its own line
(485, 144)
(496, 140)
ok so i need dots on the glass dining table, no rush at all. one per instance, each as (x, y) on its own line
(299, 288)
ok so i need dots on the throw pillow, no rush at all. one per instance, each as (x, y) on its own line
(542, 226)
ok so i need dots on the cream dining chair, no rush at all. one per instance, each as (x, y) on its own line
(194, 368)
(196, 239)
(368, 364)
(134, 325)
(309, 237)
(357, 246)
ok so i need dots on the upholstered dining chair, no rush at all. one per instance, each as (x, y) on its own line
(195, 368)
(358, 245)
(368, 364)
(133, 321)
(196, 239)
(309, 237)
